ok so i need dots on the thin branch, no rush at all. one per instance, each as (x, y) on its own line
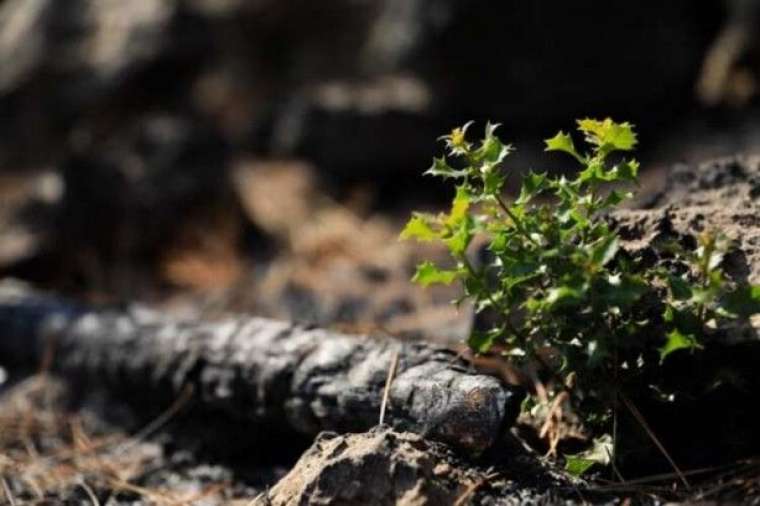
(388, 383)
(7, 490)
(515, 219)
(669, 476)
(639, 418)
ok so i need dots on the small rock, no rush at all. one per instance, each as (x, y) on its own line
(377, 467)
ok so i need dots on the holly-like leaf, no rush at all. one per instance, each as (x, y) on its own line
(704, 296)
(566, 190)
(460, 239)
(428, 274)
(441, 168)
(591, 173)
(533, 184)
(492, 151)
(459, 207)
(563, 296)
(608, 135)
(675, 340)
(419, 227)
(493, 181)
(595, 173)
(604, 250)
(577, 466)
(614, 198)
(626, 171)
(563, 142)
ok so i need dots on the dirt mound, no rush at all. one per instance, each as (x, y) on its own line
(379, 467)
(383, 467)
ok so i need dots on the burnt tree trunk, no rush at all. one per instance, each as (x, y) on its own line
(270, 372)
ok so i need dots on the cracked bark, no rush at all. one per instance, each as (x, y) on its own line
(269, 372)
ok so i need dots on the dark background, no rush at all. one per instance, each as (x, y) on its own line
(124, 125)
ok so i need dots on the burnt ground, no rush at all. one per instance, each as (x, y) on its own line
(340, 266)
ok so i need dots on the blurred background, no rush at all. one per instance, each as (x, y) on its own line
(260, 155)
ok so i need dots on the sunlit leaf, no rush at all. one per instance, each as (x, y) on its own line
(459, 207)
(675, 341)
(577, 466)
(428, 273)
(442, 169)
(562, 142)
(608, 134)
(460, 239)
(492, 150)
(419, 228)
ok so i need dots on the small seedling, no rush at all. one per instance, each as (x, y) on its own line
(560, 290)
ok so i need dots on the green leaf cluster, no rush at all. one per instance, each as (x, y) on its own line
(556, 280)
(702, 298)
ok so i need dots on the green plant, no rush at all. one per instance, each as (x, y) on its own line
(561, 291)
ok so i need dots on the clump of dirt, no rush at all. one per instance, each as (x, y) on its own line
(384, 467)
(379, 467)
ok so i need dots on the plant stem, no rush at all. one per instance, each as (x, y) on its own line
(518, 223)
(500, 307)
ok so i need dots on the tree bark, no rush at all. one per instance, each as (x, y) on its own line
(270, 372)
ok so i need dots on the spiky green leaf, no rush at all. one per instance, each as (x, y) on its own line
(676, 340)
(460, 239)
(532, 185)
(420, 227)
(428, 274)
(459, 207)
(562, 142)
(608, 134)
(441, 168)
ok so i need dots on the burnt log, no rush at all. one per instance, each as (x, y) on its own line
(274, 373)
